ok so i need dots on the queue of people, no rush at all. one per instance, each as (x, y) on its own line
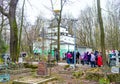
(93, 59)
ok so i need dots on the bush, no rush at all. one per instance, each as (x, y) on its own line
(13, 66)
(3, 45)
(104, 81)
(1, 60)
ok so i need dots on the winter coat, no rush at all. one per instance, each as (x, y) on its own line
(99, 61)
(69, 55)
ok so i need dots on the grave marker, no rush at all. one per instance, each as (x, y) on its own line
(115, 69)
(42, 69)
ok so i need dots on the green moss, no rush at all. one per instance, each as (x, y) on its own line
(27, 65)
(94, 76)
(66, 66)
(77, 74)
(114, 77)
(53, 61)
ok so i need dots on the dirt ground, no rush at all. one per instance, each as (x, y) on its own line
(68, 78)
(63, 78)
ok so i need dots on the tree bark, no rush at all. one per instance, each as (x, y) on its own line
(13, 30)
(11, 15)
(102, 34)
(21, 27)
(58, 16)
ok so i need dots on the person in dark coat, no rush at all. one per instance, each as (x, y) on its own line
(77, 57)
(86, 58)
(89, 57)
(57, 56)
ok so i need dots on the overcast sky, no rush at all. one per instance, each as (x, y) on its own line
(34, 8)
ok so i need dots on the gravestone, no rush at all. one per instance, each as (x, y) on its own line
(117, 60)
(6, 57)
(42, 69)
(72, 66)
(5, 77)
(115, 69)
(20, 60)
(113, 61)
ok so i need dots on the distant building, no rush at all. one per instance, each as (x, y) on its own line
(49, 41)
(66, 40)
(83, 49)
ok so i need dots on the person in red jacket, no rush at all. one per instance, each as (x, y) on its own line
(99, 60)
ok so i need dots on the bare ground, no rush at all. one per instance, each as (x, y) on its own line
(62, 78)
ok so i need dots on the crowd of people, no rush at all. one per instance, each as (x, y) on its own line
(112, 56)
(94, 59)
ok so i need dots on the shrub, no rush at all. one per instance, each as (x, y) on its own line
(104, 81)
(1, 60)
(13, 66)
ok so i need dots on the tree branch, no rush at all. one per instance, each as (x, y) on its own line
(3, 12)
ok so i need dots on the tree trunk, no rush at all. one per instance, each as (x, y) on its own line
(21, 27)
(13, 31)
(102, 34)
(59, 21)
(11, 15)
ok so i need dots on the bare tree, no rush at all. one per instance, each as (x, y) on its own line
(58, 16)
(85, 27)
(21, 27)
(3, 45)
(112, 25)
(32, 33)
(11, 15)
(102, 35)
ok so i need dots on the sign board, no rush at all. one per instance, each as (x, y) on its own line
(115, 69)
(42, 68)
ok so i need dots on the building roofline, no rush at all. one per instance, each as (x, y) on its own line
(62, 43)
